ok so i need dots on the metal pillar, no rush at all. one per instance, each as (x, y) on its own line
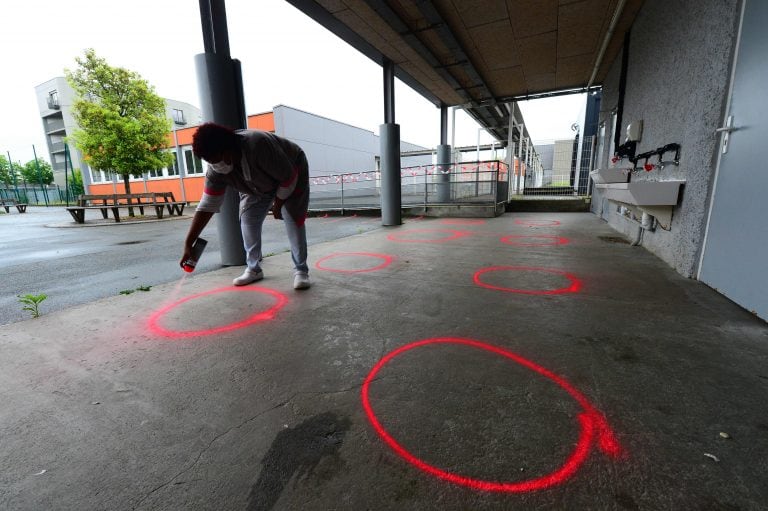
(220, 85)
(391, 199)
(443, 160)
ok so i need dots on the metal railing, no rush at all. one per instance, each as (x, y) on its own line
(477, 183)
(561, 168)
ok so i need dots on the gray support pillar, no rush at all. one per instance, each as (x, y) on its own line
(220, 86)
(443, 160)
(444, 168)
(391, 199)
(389, 92)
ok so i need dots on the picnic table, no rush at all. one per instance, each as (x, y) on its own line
(157, 201)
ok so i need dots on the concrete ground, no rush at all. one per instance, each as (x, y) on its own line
(45, 251)
(560, 369)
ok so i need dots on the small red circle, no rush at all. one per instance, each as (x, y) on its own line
(453, 234)
(154, 320)
(537, 223)
(553, 240)
(594, 428)
(573, 288)
(387, 260)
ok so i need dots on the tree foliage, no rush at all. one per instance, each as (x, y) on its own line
(122, 122)
(30, 173)
(76, 183)
(7, 171)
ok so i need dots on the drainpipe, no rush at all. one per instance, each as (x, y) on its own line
(606, 41)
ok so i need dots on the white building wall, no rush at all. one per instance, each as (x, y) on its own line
(333, 147)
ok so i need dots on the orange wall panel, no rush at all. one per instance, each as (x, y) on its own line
(193, 186)
(264, 122)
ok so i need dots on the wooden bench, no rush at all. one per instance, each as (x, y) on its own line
(140, 200)
(113, 202)
(20, 207)
(174, 206)
(103, 203)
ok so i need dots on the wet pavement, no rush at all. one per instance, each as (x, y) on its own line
(45, 251)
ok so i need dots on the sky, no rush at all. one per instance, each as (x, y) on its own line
(287, 59)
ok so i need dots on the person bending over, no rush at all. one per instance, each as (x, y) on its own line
(269, 172)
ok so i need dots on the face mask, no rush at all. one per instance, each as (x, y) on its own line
(221, 167)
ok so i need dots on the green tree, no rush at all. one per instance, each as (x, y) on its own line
(76, 183)
(7, 170)
(29, 171)
(122, 122)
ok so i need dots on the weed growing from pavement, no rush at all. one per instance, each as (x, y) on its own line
(32, 303)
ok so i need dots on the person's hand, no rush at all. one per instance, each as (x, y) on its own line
(277, 209)
(186, 256)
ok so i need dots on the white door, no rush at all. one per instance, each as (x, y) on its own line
(735, 256)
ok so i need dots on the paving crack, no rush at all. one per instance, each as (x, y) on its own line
(220, 435)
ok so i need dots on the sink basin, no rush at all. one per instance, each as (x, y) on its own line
(643, 193)
(601, 176)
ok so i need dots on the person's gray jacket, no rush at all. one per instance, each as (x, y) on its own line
(267, 165)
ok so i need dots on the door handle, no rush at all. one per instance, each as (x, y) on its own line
(727, 130)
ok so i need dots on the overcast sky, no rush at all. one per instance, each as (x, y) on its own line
(287, 59)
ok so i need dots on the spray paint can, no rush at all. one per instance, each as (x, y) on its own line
(197, 250)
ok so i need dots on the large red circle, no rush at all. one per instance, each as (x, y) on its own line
(454, 234)
(537, 223)
(554, 240)
(593, 426)
(387, 260)
(573, 288)
(154, 319)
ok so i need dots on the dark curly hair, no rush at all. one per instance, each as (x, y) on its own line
(211, 139)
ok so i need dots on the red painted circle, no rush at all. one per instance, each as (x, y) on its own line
(454, 234)
(462, 221)
(387, 260)
(154, 320)
(537, 223)
(553, 240)
(573, 288)
(593, 427)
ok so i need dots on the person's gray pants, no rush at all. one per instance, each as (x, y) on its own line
(251, 221)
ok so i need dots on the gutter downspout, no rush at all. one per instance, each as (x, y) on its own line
(607, 40)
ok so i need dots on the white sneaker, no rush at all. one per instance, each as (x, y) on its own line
(248, 277)
(301, 281)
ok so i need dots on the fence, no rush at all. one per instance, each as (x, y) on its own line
(483, 182)
(38, 195)
(560, 168)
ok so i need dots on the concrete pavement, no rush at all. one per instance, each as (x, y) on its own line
(530, 361)
(45, 251)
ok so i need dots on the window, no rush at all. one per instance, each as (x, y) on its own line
(178, 116)
(96, 175)
(194, 164)
(53, 99)
(600, 146)
(173, 170)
